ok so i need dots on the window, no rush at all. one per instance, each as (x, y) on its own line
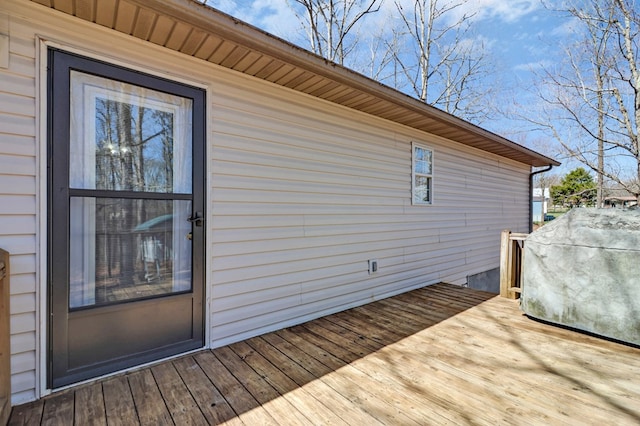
(422, 175)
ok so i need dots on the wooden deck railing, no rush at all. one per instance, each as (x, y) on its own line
(5, 351)
(511, 256)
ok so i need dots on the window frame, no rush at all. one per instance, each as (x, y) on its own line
(430, 176)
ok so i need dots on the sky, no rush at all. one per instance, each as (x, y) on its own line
(522, 37)
(520, 32)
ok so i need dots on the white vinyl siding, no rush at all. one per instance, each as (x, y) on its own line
(302, 194)
(18, 206)
(306, 193)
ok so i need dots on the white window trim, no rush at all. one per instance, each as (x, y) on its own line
(415, 145)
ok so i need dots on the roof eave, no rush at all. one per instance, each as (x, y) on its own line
(430, 119)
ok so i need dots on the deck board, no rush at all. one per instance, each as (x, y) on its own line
(89, 405)
(211, 402)
(27, 414)
(259, 388)
(183, 408)
(151, 408)
(438, 355)
(58, 411)
(243, 403)
(118, 402)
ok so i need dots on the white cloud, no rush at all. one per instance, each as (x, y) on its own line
(273, 16)
(227, 6)
(566, 28)
(269, 11)
(533, 66)
(276, 15)
(504, 10)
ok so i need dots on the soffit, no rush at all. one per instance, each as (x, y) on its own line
(194, 29)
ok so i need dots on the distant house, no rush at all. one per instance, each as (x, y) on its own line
(616, 196)
(620, 201)
(172, 179)
(540, 203)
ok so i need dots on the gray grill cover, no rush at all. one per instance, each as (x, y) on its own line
(582, 271)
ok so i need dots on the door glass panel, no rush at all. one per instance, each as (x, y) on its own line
(126, 249)
(128, 138)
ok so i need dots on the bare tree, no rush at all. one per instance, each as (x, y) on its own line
(329, 24)
(592, 104)
(546, 180)
(444, 66)
(378, 61)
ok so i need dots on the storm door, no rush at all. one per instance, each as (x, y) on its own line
(126, 232)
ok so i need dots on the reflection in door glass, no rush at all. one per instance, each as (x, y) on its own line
(127, 249)
(128, 138)
(134, 147)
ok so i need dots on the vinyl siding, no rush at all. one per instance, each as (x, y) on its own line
(302, 194)
(18, 208)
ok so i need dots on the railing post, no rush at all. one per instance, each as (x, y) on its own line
(5, 348)
(511, 264)
(505, 263)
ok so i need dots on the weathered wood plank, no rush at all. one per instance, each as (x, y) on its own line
(307, 371)
(489, 374)
(27, 414)
(327, 358)
(89, 405)
(304, 401)
(347, 333)
(410, 321)
(118, 402)
(5, 336)
(150, 406)
(414, 396)
(382, 401)
(437, 408)
(243, 403)
(259, 388)
(505, 264)
(211, 402)
(441, 355)
(335, 392)
(178, 399)
(58, 409)
(486, 338)
(360, 324)
(344, 343)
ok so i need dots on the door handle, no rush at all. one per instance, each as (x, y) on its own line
(196, 218)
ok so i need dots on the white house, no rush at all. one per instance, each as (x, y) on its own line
(173, 179)
(541, 198)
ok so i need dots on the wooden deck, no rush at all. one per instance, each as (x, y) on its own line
(439, 355)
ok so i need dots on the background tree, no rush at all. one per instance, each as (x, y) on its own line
(443, 64)
(330, 24)
(577, 188)
(546, 181)
(591, 104)
(424, 48)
